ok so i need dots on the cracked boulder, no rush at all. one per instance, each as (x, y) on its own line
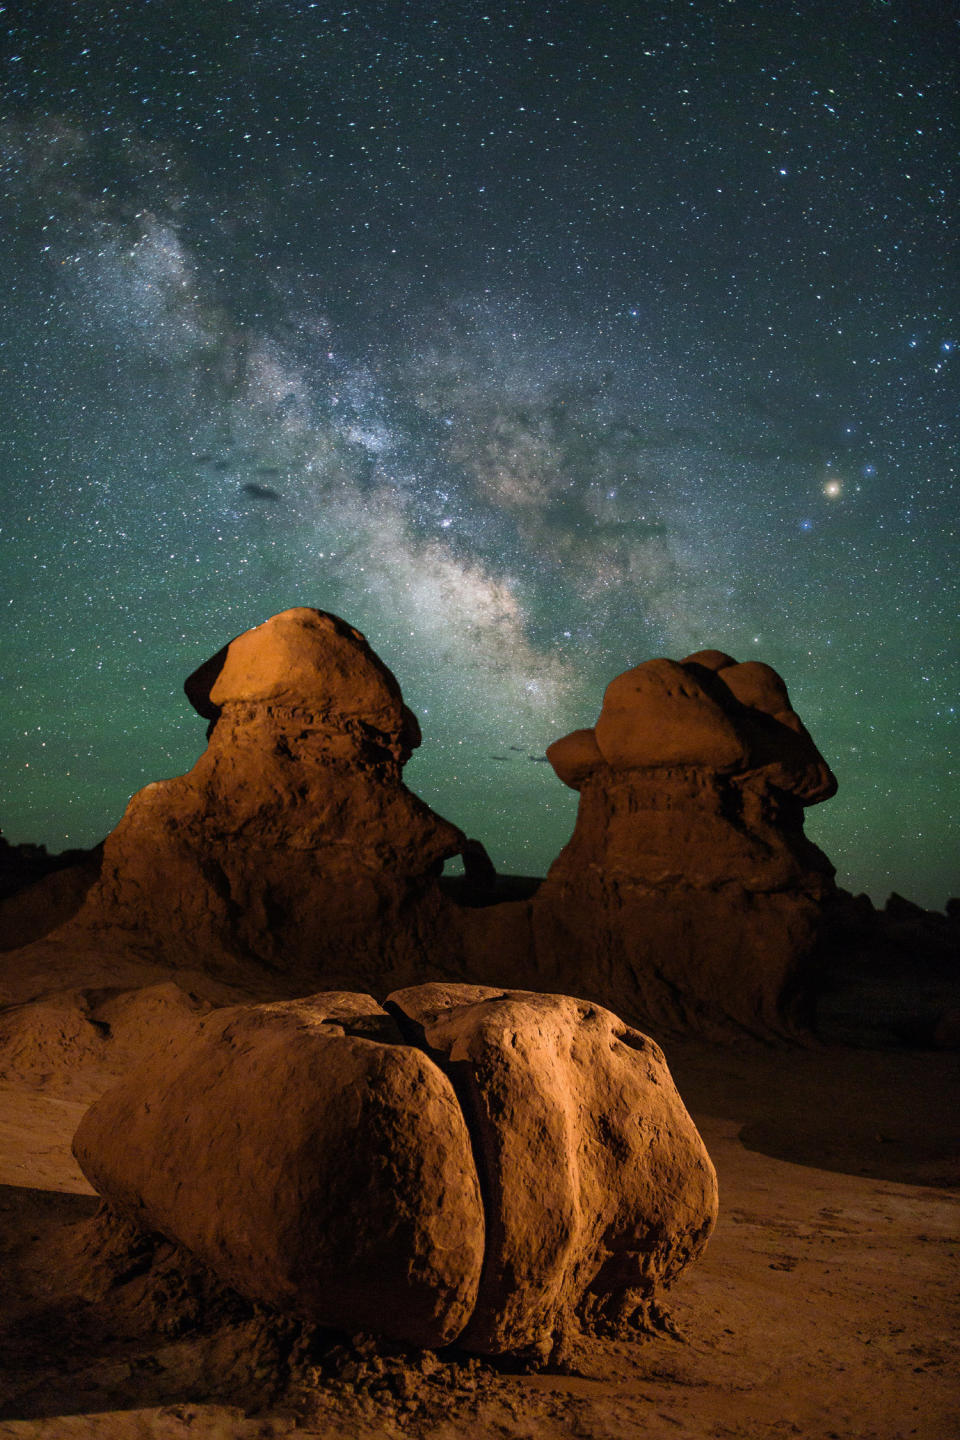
(463, 1164)
(309, 1157)
(597, 1186)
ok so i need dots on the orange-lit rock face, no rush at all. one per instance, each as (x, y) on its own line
(706, 713)
(695, 776)
(309, 1157)
(293, 839)
(311, 661)
(660, 714)
(597, 1184)
(688, 874)
(476, 1165)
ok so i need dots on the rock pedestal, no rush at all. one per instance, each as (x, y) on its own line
(293, 841)
(688, 884)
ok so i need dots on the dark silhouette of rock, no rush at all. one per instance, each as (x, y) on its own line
(25, 865)
(323, 1157)
(39, 892)
(479, 872)
(900, 910)
(890, 978)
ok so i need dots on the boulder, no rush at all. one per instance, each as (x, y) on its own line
(597, 1186)
(462, 1164)
(307, 1156)
(660, 714)
(313, 661)
(575, 757)
(707, 713)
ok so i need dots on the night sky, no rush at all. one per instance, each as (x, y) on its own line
(534, 340)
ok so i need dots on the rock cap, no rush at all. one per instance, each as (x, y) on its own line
(310, 660)
(705, 712)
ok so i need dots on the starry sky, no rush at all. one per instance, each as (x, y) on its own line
(534, 340)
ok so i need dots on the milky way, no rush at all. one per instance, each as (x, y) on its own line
(534, 341)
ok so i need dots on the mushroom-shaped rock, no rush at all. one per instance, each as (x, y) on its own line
(597, 1185)
(706, 712)
(309, 1157)
(757, 686)
(316, 662)
(293, 841)
(688, 884)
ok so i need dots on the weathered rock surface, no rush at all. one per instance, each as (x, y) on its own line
(293, 842)
(488, 1167)
(79, 1041)
(293, 856)
(309, 1157)
(597, 1186)
(688, 894)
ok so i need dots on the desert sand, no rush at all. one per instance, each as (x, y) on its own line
(827, 1303)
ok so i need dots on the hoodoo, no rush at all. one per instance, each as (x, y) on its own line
(293, 842)
(688, 884)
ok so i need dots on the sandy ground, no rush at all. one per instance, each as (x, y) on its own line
(828, 1303)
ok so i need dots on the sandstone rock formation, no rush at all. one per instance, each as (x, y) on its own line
(485, 1166)
(293, 842)
(597, 1186)
(688, 881)
(292, 855)
(306, 1155)
(688, 896)
(695, 774)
